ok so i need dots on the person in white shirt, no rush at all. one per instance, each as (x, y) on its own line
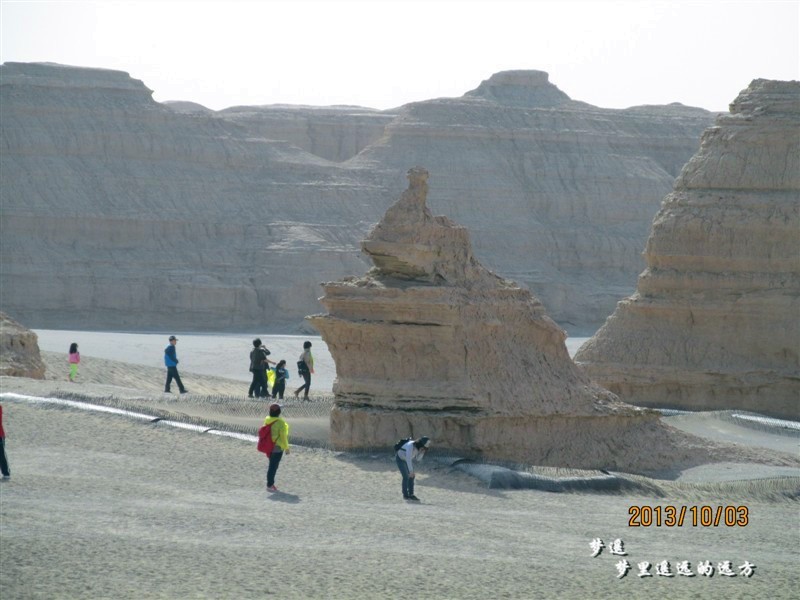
(405, 456)
(305, 367)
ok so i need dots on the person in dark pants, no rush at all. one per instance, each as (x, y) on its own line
(404, 457)
(280, 435)
(258, 366)
(281, 374)
(171, 361)
(305, 367)
(3, 458)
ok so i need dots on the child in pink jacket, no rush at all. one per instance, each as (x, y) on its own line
(74, 361)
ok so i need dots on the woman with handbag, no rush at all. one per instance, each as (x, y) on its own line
(305, 367)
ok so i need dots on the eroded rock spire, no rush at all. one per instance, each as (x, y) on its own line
(430, 342)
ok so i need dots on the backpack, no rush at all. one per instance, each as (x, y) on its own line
(401, 443)
(265, 443)
(257, 358)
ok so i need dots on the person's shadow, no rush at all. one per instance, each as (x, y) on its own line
(284, 497)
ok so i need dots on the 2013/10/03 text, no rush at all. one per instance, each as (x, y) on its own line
(676, 516)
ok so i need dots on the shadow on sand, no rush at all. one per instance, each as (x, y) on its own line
(284, 497)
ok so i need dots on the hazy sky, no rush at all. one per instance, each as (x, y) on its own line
(383, 53)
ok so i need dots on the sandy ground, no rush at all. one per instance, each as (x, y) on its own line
(103, 506)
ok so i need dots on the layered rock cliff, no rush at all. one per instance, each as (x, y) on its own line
(335, 133)
(431, 342)
(19, 350)
(558, 194)
(715, 321)
(120, 212)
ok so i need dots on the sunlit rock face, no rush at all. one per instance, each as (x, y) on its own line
(715, 321)
(122, 212)
(431, 342)
(19, 350)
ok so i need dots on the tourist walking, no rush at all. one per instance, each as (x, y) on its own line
(3, 458)
(404, 457)
(258, 367)
(305, 367)
(74, 361)
(281, 375)
(171, 361)
(280, 436)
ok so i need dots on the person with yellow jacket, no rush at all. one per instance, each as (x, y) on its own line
(280, 436)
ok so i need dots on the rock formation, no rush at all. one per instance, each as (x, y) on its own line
(120, 212)
(558, 194)
(715, 321)
(431, 342)
(19, 350)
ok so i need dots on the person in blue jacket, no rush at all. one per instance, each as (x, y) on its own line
(171, 361)
(281, 375)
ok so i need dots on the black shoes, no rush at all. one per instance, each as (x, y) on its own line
(184, 391)
(413, 498)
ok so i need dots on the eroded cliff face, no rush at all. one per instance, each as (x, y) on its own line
(558, 194)
(430, 342)
(19, 350)
(335, 133)
(122, 212)
(715, 321)
(118, 212)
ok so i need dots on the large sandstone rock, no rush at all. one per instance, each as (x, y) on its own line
(431, 342)
(19, 350)
(715, 320)
(120, 212)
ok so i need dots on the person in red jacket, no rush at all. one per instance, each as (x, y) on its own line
(3, 458)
